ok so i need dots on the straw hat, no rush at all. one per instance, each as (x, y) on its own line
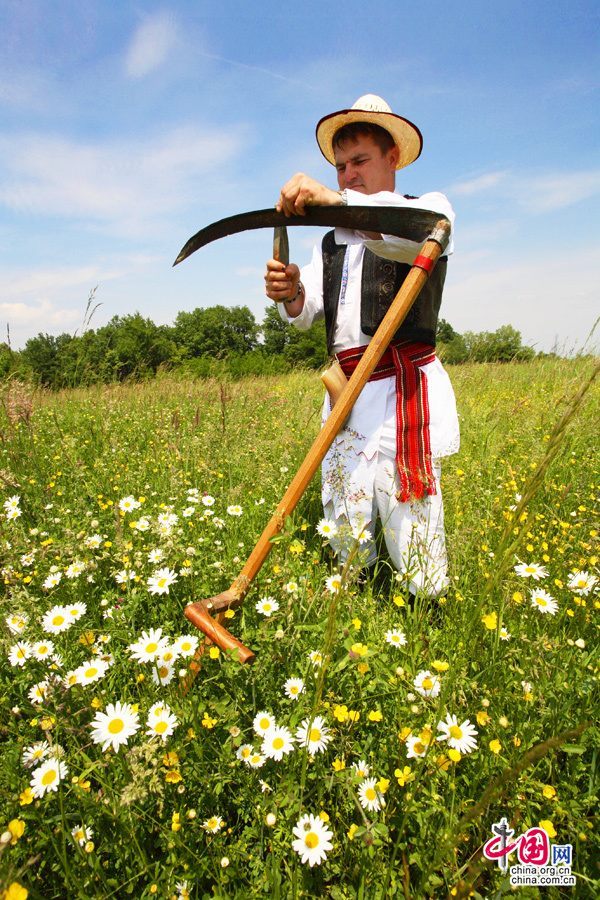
(373, 109)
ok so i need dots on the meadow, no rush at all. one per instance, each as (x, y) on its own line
(372, 744)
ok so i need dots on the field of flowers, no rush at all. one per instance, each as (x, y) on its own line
(370, 747)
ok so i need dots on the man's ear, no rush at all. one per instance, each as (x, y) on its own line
(394, 156)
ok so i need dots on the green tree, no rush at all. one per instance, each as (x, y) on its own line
(216, 331)
(44, 356)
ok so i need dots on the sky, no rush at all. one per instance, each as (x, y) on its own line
(126, 127)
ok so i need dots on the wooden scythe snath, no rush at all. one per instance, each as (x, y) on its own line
(412, 224)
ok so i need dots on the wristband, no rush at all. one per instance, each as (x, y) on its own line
(299, 290)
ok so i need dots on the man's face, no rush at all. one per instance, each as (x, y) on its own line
(361, 166)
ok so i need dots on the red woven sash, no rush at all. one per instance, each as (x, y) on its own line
(404, 360)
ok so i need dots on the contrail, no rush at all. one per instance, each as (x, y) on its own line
(235, 62)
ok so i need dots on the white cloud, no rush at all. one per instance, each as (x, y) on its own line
(556, 191)
(533, 192)
(126, 185)
(153, 42)
(544, 298)
(476, 185)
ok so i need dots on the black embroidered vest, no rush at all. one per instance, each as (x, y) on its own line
(381, 281)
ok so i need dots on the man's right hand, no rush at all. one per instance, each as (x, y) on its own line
(281, 280)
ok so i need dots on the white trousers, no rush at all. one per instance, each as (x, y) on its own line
(413, 531)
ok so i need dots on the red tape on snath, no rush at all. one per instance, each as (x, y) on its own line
(423, 262)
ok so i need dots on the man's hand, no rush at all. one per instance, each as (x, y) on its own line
(281, 281)
(302, 191)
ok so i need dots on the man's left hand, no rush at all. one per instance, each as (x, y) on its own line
(302, 191)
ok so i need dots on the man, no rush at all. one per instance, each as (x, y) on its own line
(386, 460)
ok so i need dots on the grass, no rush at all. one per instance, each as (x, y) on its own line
(71, 457)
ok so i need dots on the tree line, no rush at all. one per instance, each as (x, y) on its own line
(212, 341)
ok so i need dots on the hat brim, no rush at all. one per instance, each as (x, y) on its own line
(406, 136)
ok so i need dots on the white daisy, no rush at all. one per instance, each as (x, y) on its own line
(313, 840)
(163, 673)
(293, 688)
(361, 768)
(38, 693)
(256, 760)
(124, 576)
(214, 824)
(186, 645)
(115, 726)
(161, 726)
(316, 658)
(234, 510)
(263, 722)
(169, 655)
(395, 637)
(48, 776)
(75, 569)
(141, 524)
(362, 535)
(582, 582)
(326, 528)
(82, 834)
(244, 752)
(149, 645)
(415, 746)
(369, 796)
(91, 671)
(160, 582)
(291, 587)
(277, 742)
(542, 601)
(16, 622)
(128, 504)
(313, 735)
(57, 620)
(93, 541)
(426, 684)
(20, 653)
(35, 753)
(12, 506)
(334, 583)
(504, 634)
(76, 610)
(531, 570)
(53, 579)
(207, 500)
(267, 606)
(155, 556)
(460, 737)
(28, 559)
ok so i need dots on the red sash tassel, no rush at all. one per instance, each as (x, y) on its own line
(404, 360)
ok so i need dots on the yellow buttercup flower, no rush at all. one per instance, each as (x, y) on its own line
(495, 746)
(338, 765)
(548, 792)
(214, 652)
(490, 621)
(440, 666)
(548, 827)
(375, 715)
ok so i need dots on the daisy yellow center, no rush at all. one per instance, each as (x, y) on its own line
(186, 646)
(530, 569)
(245, 753)
(163, 671)
(311, 840)
(456, 732)
(212, 823)
(264, 723)
(20, 653)
(116, 725)
(419, 747)
(161, 727)
(79, 835)
(315, 735)
(168, 656)
(43, 649)
(49, 777)
(371, 793)
(151, 647)
(278, 743)
(293, 689)
(73, 612)
(581, 583)
(267, 607)
(91, 672)
(161, 582)
(540, 601)
(58, 620)
(395, 638)
(427, 683)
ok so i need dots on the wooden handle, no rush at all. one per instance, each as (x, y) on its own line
(215, 632)
(335, 381)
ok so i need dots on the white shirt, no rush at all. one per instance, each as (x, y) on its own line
(371, 426)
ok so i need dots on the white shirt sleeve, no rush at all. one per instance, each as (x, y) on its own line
(392, 247)
(311, 277)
